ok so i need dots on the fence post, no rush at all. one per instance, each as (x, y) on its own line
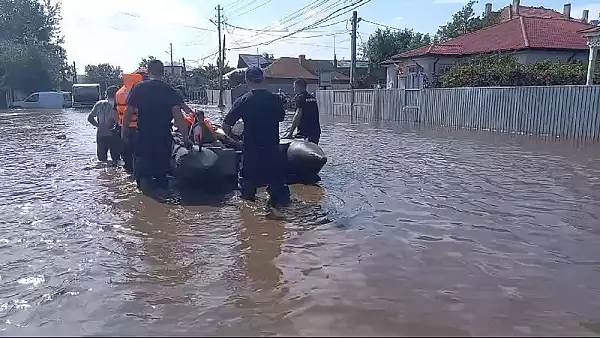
(351, 104)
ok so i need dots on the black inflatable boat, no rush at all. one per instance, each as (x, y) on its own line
(207, 166)
(303, 161)
(215, 166)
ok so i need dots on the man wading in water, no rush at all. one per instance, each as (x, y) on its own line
(307, 115)
(102, 117)
(261, 111)
(157, 103)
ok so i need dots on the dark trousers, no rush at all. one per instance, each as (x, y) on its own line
(152, 163)
(128, 148)
(264, 169)
(105, 144)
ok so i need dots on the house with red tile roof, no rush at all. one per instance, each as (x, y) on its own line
(282, 72)
(531, 33)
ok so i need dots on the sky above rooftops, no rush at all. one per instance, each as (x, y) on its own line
(122, 32)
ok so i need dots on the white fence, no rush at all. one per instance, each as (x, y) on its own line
(566, 111)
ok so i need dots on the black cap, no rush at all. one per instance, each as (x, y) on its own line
(254, 74)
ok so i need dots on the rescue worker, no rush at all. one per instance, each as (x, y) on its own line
(261, 111)
(157, 104)
(128, 145)
(307, 115)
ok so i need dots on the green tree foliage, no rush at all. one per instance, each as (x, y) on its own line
(105, 74)
(504, 70)
(144, 62)
(31, 56)
(385, 43)
(464, 21)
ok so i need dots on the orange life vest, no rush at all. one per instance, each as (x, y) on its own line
(121, 97)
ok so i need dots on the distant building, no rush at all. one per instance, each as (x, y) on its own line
(252, 60)
(176, 70)
(531, 33)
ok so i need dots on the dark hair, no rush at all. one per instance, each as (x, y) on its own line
(111, 92)
(300, 83)
(156, 68)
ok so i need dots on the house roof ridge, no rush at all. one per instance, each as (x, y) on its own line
(524, 31)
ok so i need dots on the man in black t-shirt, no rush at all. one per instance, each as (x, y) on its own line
(307, 115)
(261, 111)
(157, 103)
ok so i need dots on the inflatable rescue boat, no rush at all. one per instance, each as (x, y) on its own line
(204, 166)
(303, 161)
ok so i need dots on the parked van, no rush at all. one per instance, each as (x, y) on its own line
(86, 95)
(44, 100)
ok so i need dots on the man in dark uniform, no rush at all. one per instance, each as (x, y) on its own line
(157, 103)
(261, 112)
(307, 115)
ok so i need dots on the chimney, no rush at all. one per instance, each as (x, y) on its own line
(515, 7)
(488, 9)
(302, 59)
(585, 15)
(334, 61)
(567, 10)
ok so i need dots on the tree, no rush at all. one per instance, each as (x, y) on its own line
(268, 57)
(105, 74)
(505, 70)
(144, 62)
(31, 55)
(464, 21)
(383, 44)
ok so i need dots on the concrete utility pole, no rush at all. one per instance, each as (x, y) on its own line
(220, 59)
(171, 52)
(184, 73)
(74, 73)
(353, 50)
(355, 21)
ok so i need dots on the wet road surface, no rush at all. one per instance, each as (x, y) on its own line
(413, 232)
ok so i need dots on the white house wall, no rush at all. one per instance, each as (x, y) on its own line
(445, 61)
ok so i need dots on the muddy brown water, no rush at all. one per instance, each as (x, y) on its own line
(413, 232)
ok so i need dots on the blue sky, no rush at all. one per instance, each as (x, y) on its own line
(121, 32)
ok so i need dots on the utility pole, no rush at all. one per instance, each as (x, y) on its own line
(353, 62)
(353, 50)
(74, 73)
(171, 52)
(220, 59)
(183, 71)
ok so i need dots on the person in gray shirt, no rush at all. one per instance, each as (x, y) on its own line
(102, 117)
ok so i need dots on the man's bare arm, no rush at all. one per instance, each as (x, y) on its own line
(295, 122)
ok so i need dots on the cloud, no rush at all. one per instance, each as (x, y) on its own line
(122, 32)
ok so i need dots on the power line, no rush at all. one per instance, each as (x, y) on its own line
(382, 25)
(133, 15)
(253, 9)
(283, 30)
(331, 16)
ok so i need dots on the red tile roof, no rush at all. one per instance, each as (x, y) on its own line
(520, 33)
(290, 68)
(531, 12)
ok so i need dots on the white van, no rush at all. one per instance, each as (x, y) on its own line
(44, 100)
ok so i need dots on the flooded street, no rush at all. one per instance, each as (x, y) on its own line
(412, 232)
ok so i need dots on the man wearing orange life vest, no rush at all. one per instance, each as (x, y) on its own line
(129, 80)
